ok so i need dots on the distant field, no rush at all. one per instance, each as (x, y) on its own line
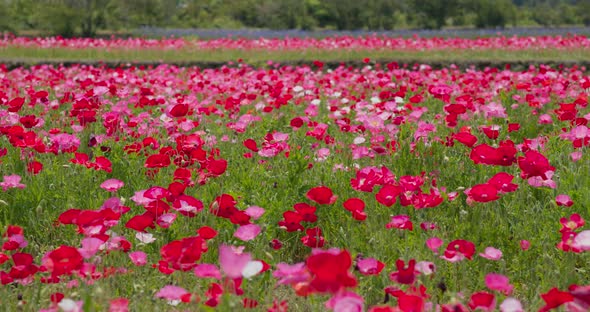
(256, 57)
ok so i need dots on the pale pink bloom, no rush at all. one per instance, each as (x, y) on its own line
(369, 266)
(359, 152)
(247, 232)
(112, 185)
(90, 246)
(188, 126)
(511, 305)
(232, 263)
(290, 274)
(423, 130)
(146, 238)
(73, 284)
(452, 196)
(206, 270)
(100, 90)
(19, 239)
(540, 182)
(491, 253)
(576, 156)
(171, 292)
(582, 240)
(499, 283)
(346, 302)
(434, 244)
(119, 305)
(494, 109)
(322, 154)
(359, 140)
(69, 305)
(563, 200)
(166, 220)
(11, 181)
(140, 199)
(138, 258)
(64, 142)
(425, 267)
(545, 119)
(254, 212)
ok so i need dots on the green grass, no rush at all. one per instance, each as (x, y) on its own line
(261, 57)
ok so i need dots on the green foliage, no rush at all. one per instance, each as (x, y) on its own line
(495, 13)
(87, 17)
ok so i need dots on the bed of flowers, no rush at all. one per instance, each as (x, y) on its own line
(368, 42)
(382, 188)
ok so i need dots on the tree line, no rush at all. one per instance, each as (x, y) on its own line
(87, 17)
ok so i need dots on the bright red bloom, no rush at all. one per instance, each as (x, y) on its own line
(504, 155)
(179, 110)
(23, 266)
(183, 254)
(206, 232)
(102, 163)
(141, 222)
(34, 167)
(404, 275)
(63, 261)
(157, 161)
(483, 301)
(291, 221)
(314, 238)
(330, 271)
(465, 138)
(388, 194)
(15, 104)
(482, 193)
(534, 164)
(251, 145)
(502, 181)
(216, 167)
(458, 250)
(555, 298)
(356, 206)
(306, 211)
(410, 303)
(322, 195)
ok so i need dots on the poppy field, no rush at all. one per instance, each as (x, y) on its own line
(261, 51)
(384, 187)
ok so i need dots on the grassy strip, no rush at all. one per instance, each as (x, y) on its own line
(262, 57)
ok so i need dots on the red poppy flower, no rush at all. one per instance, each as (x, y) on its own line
(482, 193)
(291, 221)
(555, 298)
(404, 275)
(482, 300)
(64, 260)
(388, 194)
(322, 195)
(157, 161)
(314, 238)
(330, 271)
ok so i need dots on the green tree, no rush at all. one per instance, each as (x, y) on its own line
(494, 13)
(583, 9)
(432, 14)
(6, 22)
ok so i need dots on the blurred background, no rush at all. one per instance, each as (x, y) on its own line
(262, 18)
